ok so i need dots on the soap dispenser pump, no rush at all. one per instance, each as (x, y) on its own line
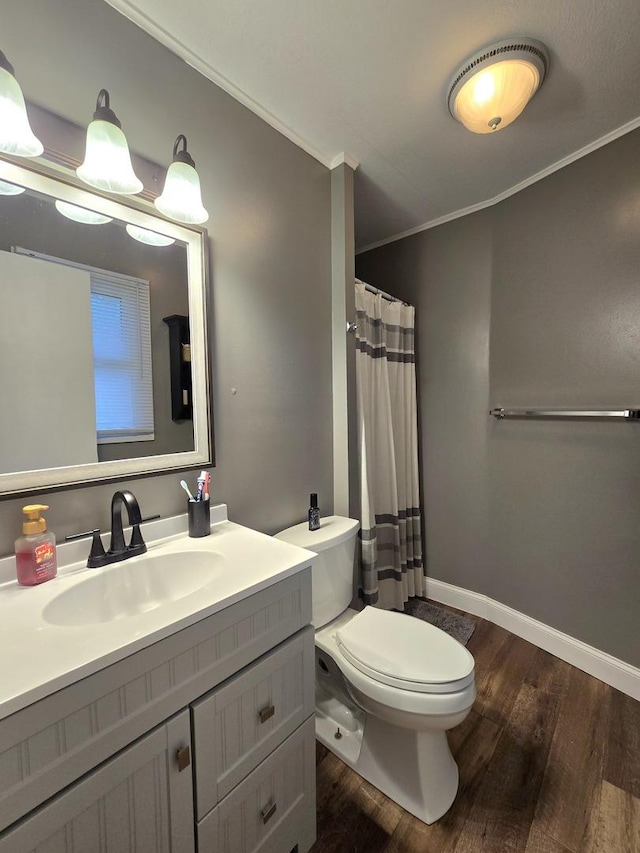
(36, 559)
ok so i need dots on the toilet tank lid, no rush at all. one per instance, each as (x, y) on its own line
(334, 529)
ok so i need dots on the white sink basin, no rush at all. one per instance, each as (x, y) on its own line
(86, 619)
(134, 587)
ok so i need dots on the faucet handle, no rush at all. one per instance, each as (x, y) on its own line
(137, 542)
(97, 553)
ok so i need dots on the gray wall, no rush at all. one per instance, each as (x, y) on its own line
(269, 206)
(534, 302)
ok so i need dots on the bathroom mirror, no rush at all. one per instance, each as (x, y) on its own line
(102, 326)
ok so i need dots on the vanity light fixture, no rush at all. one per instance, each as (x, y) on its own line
(80, 214)
(10, 189)
(151, 238)
(107, 162)
(493, 87)
(16, 136)
(181, 198)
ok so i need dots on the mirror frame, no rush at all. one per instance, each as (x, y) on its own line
(59, 182)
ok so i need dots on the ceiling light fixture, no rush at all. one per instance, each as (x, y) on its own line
(107, 162)
(16, 136)
(493, 87)
(181, 198)
(80, 214)
(10, 189)
(151, 238)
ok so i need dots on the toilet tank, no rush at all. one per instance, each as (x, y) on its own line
(333, 571)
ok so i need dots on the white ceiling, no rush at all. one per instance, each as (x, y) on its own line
(368, 79)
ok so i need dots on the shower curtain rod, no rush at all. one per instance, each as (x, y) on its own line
(379, 292)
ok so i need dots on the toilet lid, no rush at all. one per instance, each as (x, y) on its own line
(405, 652)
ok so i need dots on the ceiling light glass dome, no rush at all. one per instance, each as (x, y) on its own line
(81, 214)
(493, 87)
(16, 136)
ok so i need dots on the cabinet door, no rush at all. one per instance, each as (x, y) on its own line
(138, 801)
(237, 725)
(274, 809)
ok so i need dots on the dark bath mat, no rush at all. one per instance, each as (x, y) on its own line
(459, 627)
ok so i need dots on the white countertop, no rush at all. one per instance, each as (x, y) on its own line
(38, 657)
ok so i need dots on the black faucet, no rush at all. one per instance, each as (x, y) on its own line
(118, 550)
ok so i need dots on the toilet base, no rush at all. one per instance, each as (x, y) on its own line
(413, 768)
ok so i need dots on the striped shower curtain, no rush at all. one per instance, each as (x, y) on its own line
(390, 535)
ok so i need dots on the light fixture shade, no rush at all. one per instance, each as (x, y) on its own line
(181, 197)
(10, 189)
(151, 238)
(107, 162)
(80, 214)
(16, 136)
(493, 87)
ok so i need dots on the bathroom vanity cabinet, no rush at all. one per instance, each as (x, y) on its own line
(202, 741)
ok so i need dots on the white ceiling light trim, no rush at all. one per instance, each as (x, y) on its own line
(492, 88)
(628, 127)
(199, 64)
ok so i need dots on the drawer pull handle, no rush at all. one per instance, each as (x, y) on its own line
(184, 758)
(268, 812)
(266, 713)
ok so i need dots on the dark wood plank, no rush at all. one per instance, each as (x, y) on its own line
(571, 788)
(622, 761)
(504, 807)
(538, 842)
(501, 666)
(345, 814)
(615, 826)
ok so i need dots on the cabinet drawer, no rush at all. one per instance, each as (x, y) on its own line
(273, 810)
(236, 726)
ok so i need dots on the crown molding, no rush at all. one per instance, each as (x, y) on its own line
(126, 8)
(543, 173)
(345, 158)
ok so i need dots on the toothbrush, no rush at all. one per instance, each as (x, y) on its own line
(186, 488)
(201, 481)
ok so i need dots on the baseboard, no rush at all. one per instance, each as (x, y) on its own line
(612, 671)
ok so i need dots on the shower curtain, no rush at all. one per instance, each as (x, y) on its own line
(390, 535)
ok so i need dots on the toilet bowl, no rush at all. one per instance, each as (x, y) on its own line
(388, 686)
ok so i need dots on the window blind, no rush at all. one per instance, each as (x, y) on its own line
(121, 321)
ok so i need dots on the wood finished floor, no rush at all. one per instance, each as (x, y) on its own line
(549, 762)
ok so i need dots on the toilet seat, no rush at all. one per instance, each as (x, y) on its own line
(405, 652)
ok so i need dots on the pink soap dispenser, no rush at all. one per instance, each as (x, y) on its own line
(36, 559)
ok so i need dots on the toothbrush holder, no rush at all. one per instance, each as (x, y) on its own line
(199, 516)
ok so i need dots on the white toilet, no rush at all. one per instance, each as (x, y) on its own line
(388, 686)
